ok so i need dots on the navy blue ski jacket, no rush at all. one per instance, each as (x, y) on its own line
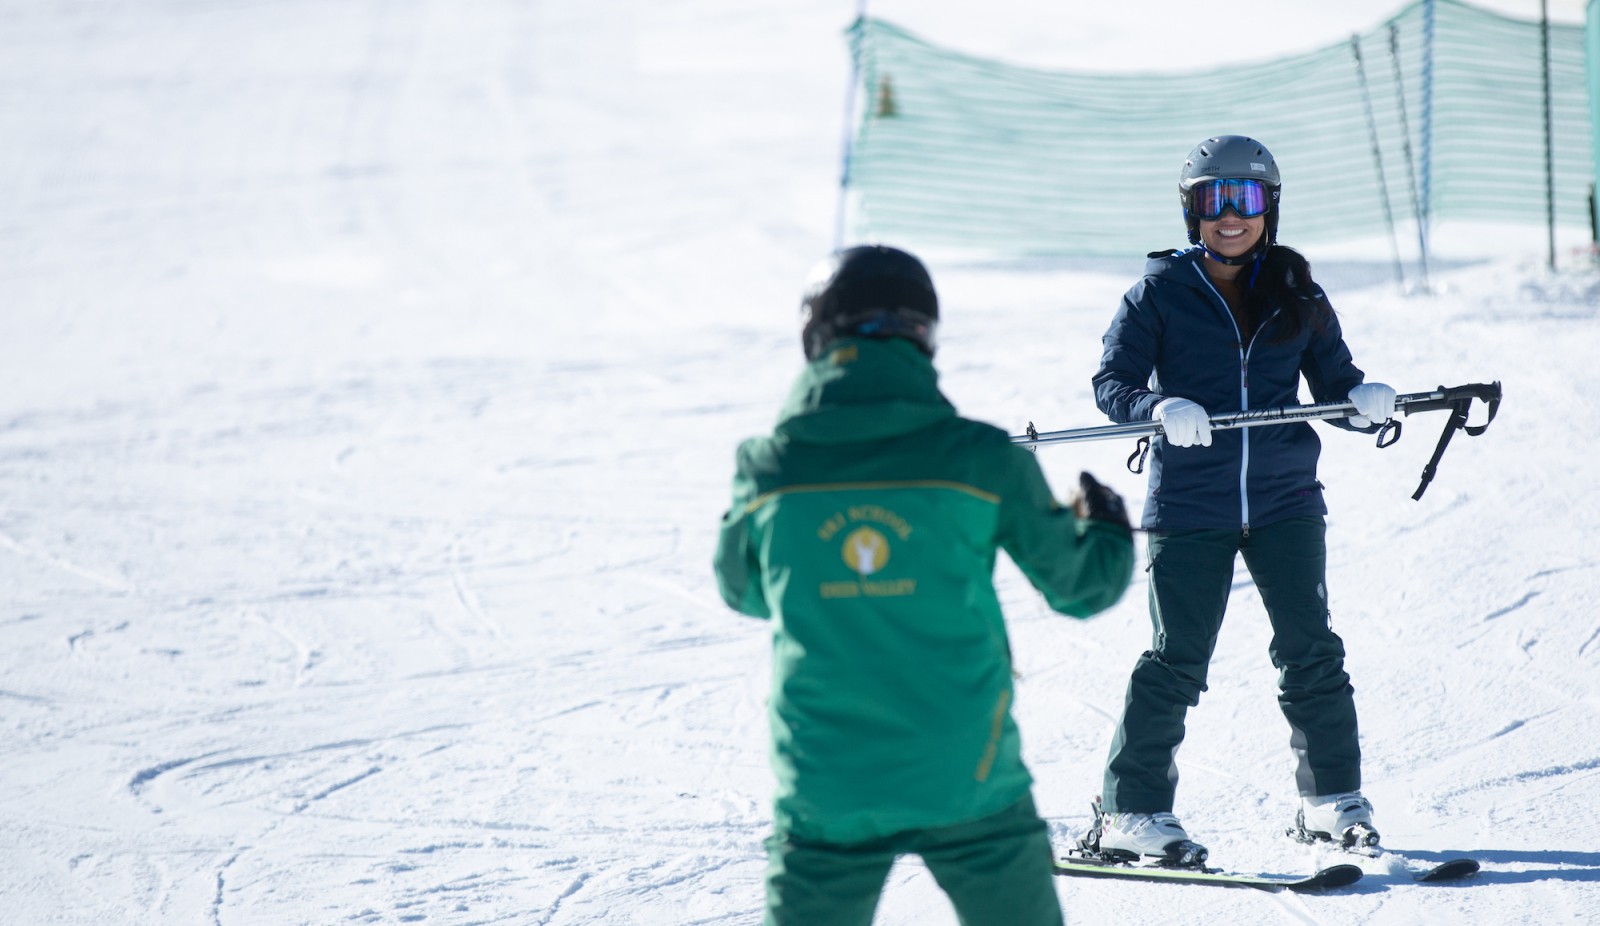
(1174, 336)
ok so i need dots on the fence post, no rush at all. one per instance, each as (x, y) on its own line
(849, 129)
(1377, 160)
(1427, 121)
(1405, 138)
(1549, 141)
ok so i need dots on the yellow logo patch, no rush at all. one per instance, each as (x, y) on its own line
(866, 551)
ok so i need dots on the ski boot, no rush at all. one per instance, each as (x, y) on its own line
(1343, 819)
(1141, 837)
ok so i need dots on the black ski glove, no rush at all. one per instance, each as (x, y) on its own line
(1096, 502)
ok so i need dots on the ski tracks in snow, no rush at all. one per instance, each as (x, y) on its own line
(94, 576)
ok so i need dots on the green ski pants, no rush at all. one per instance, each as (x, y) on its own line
(997, 872)
(1191, 573)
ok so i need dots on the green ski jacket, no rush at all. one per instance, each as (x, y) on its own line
(866, 528)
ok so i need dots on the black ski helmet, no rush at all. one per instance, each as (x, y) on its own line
(868, 291)
(1230, 157)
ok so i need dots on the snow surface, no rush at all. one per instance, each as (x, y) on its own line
(370, 374)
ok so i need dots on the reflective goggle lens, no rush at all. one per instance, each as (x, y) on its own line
(1247, 197)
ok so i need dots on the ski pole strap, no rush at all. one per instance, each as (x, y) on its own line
(1459, 400)
(1141, 449)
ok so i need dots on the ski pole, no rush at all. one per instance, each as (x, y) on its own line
(1439, 399)
(1455, 399)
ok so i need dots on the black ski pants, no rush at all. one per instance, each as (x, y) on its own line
(1191, 573)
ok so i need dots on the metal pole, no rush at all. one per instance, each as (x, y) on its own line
(1409, 404)
(1405, 136)
(849, 129)
(1377, 160)
(1225, 422)
(1549, 155)
(1427, 120)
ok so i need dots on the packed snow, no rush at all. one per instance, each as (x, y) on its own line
(370, 374)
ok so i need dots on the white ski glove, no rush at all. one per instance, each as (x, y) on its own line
(1373, 402)
(1184, 422)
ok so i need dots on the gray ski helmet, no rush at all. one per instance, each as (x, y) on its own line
(868, 291)
(1230, 157)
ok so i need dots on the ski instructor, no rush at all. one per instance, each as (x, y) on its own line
(865, 528)
(1232, 323)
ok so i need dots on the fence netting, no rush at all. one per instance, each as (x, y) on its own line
(956, 151)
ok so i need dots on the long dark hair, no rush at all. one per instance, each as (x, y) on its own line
(1283, 281)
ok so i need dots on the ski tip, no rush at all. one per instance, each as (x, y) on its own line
(1332, 876)
(1449, 871)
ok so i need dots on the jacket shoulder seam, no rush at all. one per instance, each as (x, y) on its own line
(945, 484)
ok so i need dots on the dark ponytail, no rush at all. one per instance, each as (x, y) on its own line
(1283, 282)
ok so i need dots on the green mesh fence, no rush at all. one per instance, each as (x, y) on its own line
(957, 151)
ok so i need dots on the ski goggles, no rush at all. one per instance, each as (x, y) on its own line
(1210, 198)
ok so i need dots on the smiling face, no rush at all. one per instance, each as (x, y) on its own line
(1230, 236)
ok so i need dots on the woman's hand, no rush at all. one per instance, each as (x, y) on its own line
(1187, 424)
(1373, 402)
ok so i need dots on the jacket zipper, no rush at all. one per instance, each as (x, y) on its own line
(1244, 396)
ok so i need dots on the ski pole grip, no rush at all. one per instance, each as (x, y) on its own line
(1448, 397)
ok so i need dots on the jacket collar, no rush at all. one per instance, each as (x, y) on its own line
(862, 389)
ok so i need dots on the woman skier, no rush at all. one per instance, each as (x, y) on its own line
(1231, 324)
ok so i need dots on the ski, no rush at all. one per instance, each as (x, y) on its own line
(1363, 842)
(1451, 869)
(1335, 876)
